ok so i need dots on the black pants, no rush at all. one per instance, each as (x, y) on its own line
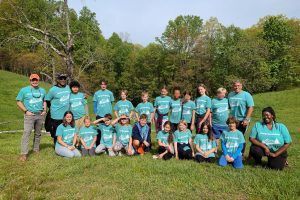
(167, 156)
(200, 159)
(54, 124)
(199, 118)
(243, 129)
(99, 132)
(184, 151)
(274, 163)
(174, 127)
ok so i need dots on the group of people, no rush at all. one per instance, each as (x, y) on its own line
(219, 123)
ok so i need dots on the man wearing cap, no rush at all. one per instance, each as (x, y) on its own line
(31, 100)
(58, 99)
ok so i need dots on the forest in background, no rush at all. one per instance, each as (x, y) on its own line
(49, 37)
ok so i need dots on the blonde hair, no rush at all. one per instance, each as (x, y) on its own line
(86, 118)
(183, 122)
(124, 91)
(221, 89)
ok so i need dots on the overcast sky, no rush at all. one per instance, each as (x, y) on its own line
(144, 20)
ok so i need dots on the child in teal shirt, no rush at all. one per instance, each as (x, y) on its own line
(165, 143)
(88, 137)
(123, 107)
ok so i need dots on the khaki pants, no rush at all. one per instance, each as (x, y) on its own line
(32, 122)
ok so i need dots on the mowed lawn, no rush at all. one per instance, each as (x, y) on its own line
(48, 176)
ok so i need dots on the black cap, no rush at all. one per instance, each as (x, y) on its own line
(60, 75)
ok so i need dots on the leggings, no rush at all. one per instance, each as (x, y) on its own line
(184, 151)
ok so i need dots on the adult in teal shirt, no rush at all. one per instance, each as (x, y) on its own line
(58, 98)
(30, 101)
(203, 106)
(270, 138)
(103, 100)
(176, 109)
(241, 107)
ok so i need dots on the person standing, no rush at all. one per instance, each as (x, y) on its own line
(58, 99)
(31, 100)
(241, 107)
(103, 100)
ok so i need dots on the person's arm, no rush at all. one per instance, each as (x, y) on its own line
(238, 151)
(44, 112)
(129, 146)
(198, 149)
(131, 114)
(86, 108)
(136, 134)
(176, 150)
(114, 139)
(161, 144)
(192, 146)
(115, 121)
(152, 117)
(116, 114)
(61, 142)
(224, 149)
(83, 143)
(246, 121)
(210, 151)
(280, 150)
(95, 107)
(22, 108)
(260, 144)
(93, 142)
(98, 120)
(207, 114)
(193, 120)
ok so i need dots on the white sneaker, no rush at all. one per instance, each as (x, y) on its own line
(155, 157)
(120, 154)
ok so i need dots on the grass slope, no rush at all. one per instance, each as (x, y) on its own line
(47, 176)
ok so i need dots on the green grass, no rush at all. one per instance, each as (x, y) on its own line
(47, 176)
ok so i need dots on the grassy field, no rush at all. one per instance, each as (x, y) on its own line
(47, 176)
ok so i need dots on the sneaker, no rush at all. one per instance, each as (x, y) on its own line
(23, 157)
(120, 154)
(155, 157)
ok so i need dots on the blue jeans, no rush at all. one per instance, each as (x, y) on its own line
(218, 130)
(237, 163)
(65, 152)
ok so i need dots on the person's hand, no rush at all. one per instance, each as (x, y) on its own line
(267, 151)
(176, 157)
(71, 148)
(205, 155)
(193, 154)
(146, 143)
(129, 151)
(43, 113)
(160, 156)
(28, 113)
(228, 158)
(272, 155)
(192, 127)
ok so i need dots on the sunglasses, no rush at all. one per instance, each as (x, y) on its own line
(34, 79)
(62, 78)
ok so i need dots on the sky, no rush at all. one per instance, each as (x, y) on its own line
(143, 20)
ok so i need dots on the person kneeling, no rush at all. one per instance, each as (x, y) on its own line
(88, 137)
(141, 135)
(107, 135)
(232, 142)
(183, 142)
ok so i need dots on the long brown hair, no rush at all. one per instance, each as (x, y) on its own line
(197, 90)
(209, 134)
(170, 137)
(65, 123)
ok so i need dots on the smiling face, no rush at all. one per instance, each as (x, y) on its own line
(176, 94)
(87, 122)
(75, 89)
(182, 126)
(123, 96)
(232, 126)
(167, 128)
(69, 118)
(107, 122)
(163, 92)
(143, 122)
(34, 82)
(205, 129)
(201, 90)
(237, 87)
(123, 120)
(268, 118)
(187, 97)
(62, 80)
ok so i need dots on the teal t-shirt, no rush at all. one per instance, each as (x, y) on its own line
(60, 101)
(163, 105)
(182, 137)
(107, 133)
(202, 104)
(104, 99)
(145, 108)
(87, 134)
(123, 107)
(163, 137)
(77, 104)
(123, 133)
(232, 140)
(239, 102)
(67, 134)
(205, 144)
(273, 139)
(187, 111)
(220, 111)
(176, 110)
(32, 98)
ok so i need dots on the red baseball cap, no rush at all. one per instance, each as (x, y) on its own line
(32, 76)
